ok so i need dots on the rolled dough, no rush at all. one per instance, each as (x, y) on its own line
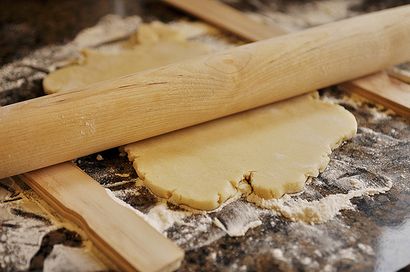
(274, 149)
(271, 150)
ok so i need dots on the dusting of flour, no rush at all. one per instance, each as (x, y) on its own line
(316, 211)
(159, 217)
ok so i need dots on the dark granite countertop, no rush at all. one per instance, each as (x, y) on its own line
(374, 235)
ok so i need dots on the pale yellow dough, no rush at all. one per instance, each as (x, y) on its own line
(156, 45)
(276, 148)
(273, 149)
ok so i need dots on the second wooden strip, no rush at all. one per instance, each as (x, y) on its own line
(118, 232)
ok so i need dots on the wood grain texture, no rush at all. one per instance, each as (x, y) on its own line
(222, 15)
(381, 88)
(60, 127)
(225, 17)
(118, 232)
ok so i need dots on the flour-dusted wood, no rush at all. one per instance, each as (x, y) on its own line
(401, 72)
(232, 20)
(123, 236)
(383, 89)
(60, 127)
(221, 15)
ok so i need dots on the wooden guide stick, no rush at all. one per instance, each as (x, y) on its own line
(225, 17)
(401, 72)
(383, 89)
(60, 127)
(123, 236)
(388, 91)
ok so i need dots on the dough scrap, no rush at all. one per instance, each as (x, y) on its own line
(157, 45)
(274, 148)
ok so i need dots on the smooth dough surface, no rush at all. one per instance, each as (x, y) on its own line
(275, 148)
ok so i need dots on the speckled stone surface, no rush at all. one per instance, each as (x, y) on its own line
(373, 235)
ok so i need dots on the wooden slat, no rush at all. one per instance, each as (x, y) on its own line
(227, 18)
(401, 72)
(381, 88)
(232, 20)
(123, 236)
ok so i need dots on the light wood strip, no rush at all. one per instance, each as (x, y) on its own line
(401, 72)
(388, 92)
(123, 236)
(381, 88)
(227, 18)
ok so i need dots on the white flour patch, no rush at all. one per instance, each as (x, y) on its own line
(72, 259)
(237, 218)
(238, 229)
(159, 217)
(316, 211)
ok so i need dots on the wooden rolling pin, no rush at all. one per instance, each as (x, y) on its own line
(379, 87)
(61, 127)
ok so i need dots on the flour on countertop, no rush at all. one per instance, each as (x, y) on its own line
(159, 216)
(316, 211)
(237, 218)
